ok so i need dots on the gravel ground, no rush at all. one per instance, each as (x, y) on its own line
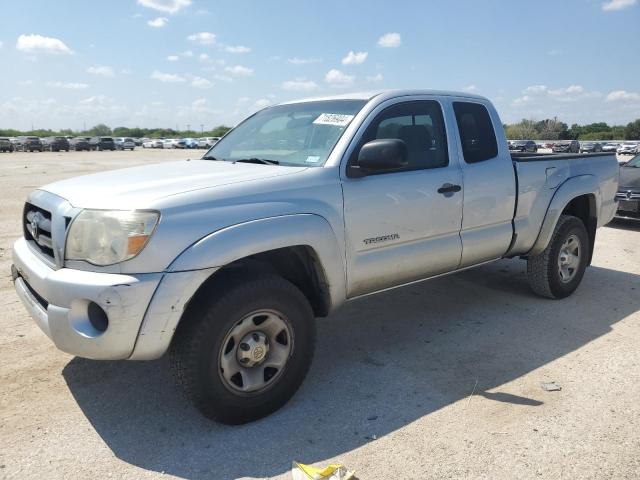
(436, 380)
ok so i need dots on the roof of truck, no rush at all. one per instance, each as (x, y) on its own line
(386, 93)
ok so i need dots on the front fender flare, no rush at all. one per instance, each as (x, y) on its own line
(202, 259)
(572, 188)
(249, 238)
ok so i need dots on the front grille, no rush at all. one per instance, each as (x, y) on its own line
(627, 195)
(36, 223)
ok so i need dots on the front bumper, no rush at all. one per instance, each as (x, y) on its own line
(58, 300)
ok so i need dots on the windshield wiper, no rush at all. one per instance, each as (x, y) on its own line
(210, 157)
(261, 161)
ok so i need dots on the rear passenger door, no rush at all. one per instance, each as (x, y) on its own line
(398, 226)
(489, 183)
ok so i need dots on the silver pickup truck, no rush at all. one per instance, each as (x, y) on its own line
(225, 261)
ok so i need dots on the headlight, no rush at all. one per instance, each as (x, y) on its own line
(105, 237)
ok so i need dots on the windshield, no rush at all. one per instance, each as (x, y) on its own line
(300, 134)
(634, 162)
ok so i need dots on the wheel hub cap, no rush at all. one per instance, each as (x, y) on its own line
(253, 349)
(255, 352)
(569, 258)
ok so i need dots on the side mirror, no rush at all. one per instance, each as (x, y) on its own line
(380, 155)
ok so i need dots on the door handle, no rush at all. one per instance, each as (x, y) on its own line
(449, 188)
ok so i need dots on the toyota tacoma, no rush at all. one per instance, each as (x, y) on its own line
(224, 262)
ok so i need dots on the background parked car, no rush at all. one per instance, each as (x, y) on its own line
(152, 143)
(78, 144)
(628, 195)
(169, 143)
(628, 148)
(102, 143)
(55, 144)
(28, 144)
(125, 143)
(207, 142)
(6, 145)
(567, 146)
(590, 147)
(187, 143)
(609, 147)
(523, 146)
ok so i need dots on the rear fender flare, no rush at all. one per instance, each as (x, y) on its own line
(572, 188)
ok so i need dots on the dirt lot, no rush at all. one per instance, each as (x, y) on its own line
(437, 380)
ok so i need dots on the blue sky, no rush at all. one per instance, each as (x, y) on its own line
(170, 63)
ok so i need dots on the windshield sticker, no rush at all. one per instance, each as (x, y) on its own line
(335, 119)
(312, 159)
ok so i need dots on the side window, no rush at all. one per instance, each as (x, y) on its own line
(420, 125)
(476, 132)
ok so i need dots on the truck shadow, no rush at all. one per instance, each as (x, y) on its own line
(381, 363)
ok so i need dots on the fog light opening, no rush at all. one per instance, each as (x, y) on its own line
(97, 317)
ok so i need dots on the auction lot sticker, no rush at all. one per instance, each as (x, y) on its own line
(335, 119)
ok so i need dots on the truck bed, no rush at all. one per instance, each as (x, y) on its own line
(539, 175)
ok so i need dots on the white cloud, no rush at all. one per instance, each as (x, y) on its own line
(299, 85)
(623, 95)
(236, 49)
(203, 57)
(223, 78)
(103, 70)
(390, 40)
(262, 103)
(533, 89)
(239, 71)
(1, 44)
(571, 89)
(166, 6)
(553, 52)
(38, 44)
(69, 85)
(613, 5)
(470, 88)
(375, 78)
(337, 78)
(354, 58)
(173, 58)
(158, 22)
(522, 101)
(203, 38)
(199, 82)
(302, 61)
(187, 53)
(167, 77)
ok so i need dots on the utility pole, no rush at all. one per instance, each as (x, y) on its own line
(202, 129)
(188, 127)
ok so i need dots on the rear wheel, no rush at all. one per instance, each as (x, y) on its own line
(558, 270)
(243, 354)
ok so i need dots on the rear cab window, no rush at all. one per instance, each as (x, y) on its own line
(477, 136)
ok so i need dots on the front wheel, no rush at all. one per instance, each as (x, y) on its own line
(558, 270)
(243, 354)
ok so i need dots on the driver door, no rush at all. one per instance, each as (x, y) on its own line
(404, 225)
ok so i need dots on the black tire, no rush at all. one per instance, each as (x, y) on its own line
(543, 270)
(199, 341)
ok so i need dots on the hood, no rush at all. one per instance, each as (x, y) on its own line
(629, 178)
(138, 187)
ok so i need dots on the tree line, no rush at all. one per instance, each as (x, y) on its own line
(553, 129)
(549, 129)
(102, 130)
